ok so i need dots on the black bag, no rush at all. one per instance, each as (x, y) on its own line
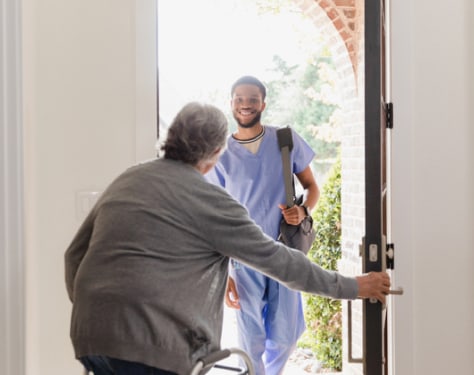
(299, 236)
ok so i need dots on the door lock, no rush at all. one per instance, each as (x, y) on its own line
(373, 257)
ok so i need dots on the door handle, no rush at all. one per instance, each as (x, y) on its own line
(393, 292)
(397, 291)
(387, 254)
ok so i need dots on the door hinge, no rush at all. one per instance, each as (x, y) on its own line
(389, 115)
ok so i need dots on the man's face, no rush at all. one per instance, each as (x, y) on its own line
(247, 105)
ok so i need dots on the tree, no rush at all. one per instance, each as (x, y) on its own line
(302, 96)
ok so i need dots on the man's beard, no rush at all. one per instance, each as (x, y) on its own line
(252, 123)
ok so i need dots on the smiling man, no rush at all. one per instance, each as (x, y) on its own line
(269, 316)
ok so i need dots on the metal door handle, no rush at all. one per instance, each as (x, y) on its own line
(398, 291)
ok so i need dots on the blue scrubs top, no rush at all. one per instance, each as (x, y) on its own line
(256, 180)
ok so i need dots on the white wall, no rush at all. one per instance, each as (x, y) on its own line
(433, 163)
(90, 112)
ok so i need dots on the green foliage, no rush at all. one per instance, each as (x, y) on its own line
(323, 315)
(298, 96)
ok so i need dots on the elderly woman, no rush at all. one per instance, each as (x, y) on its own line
(147, 270)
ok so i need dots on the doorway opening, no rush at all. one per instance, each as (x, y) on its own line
(307, 54)
(199, 59)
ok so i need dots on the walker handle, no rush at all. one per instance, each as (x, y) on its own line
(215, 357)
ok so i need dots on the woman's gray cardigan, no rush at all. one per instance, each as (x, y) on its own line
(147, 270)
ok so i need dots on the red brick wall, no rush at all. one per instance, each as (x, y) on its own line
(346, 17)
(342, 22)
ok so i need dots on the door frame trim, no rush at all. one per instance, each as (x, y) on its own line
(12, 255)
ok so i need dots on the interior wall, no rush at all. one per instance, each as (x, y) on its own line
(90, 112)
(433, 164)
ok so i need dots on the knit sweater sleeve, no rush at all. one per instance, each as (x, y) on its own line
(76, 252)
(236, 235)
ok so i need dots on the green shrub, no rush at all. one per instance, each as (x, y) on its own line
(323, 315)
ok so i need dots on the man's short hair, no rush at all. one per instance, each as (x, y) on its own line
(249, 80)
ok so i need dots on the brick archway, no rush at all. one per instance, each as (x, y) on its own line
(346, 17)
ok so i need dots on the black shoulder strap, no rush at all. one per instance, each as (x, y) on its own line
(285, 142)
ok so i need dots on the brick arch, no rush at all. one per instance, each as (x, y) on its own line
(345, 16)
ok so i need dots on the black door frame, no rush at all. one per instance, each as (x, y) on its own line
(375, 183)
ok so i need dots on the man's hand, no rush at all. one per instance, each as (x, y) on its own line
(231, 295)
(293, 215)
(374, 285)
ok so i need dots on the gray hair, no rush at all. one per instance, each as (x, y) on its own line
(196, 132)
